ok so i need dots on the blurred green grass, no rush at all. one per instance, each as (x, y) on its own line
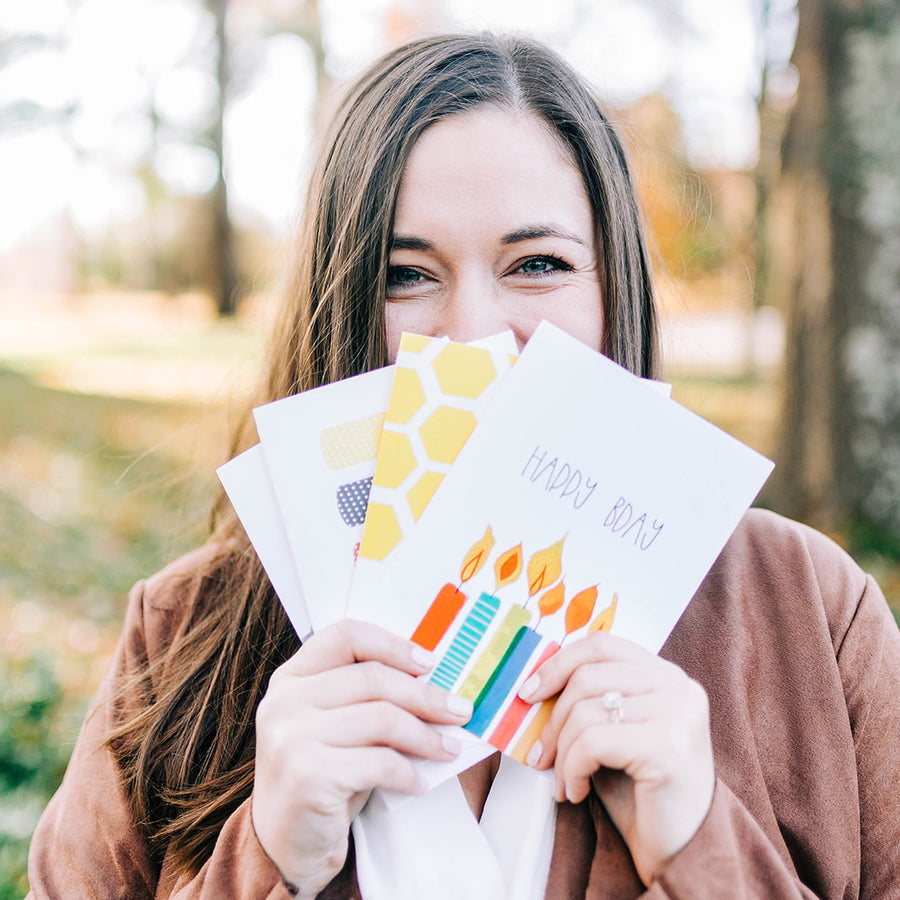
(94, 494)
(96, 491)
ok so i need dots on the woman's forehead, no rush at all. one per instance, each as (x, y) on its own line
(507, 163)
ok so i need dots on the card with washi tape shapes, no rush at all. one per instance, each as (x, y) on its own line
(320, 450)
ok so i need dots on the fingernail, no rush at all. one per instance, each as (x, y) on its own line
(534, 754)
(423, 658)
(451, 744)
(422, 786)
(459, 706)
(530, 687)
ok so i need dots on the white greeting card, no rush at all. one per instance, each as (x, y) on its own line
(582, 501)
(319, 449)
(249, 488)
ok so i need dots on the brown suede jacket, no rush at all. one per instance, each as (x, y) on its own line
(801, 660)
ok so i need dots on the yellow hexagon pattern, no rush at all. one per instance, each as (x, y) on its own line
(462, 373)
(438, 391)
(396, 460)
(445, 431)
(407, 396)
(382, 532)
(422, 491)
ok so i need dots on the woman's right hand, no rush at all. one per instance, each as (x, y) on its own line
(333, 724)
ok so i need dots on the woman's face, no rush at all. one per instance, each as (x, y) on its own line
(493, 231)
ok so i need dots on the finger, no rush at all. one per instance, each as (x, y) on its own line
(623, 748)
(365, 768)
(370, 681)
(585, 690)
(596, 648)
(350, 641)
(591, 713)
(383, 724)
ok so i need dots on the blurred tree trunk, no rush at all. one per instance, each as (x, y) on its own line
(310, 30)
(839, 458)
(225, 265)
(802, 484)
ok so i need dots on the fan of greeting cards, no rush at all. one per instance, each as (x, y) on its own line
(491, 507)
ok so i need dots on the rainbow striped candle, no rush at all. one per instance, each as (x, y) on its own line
(466, 640)
(502, 680)
(515, 618)
(518, 709)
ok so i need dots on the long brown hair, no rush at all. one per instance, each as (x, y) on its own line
(186, 738)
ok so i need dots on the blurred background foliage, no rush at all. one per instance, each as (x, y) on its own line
(152, 154)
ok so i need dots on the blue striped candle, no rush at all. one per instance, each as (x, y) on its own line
(502, 681)
(466, 640)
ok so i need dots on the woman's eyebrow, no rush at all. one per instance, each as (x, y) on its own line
(401, 242)
(539, 231)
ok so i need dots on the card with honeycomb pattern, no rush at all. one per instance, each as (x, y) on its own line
(439, 390)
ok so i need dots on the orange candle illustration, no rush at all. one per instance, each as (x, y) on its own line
(552, 601)
(449, 601)
(604, 620)
(580, 608)
(508, 567)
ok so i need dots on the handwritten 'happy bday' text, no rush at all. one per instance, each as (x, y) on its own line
(621, 520)
(558, 477)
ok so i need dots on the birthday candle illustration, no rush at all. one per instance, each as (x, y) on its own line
(479, 679)
(449, 601)
(545, 567)
(579, 611)
(518, 709)
(551, 601)
(502, 680)
(580, 608)
(466, 640)
(507, 569)
(526, 742)
(604, 620)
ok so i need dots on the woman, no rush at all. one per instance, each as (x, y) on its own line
(472, 184)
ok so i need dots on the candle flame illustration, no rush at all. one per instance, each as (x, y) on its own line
(552, 600)
(604, 620)
(545, 567)
(508, 566)
(476, 557)
(580, 609)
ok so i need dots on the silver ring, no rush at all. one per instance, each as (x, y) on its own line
(614, 701)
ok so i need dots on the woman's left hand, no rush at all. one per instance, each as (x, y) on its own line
(651, 762)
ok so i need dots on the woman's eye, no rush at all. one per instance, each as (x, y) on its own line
(401, 276)
(538, 265)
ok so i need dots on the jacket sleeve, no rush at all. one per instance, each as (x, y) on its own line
(87, 844)
(730, 855)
